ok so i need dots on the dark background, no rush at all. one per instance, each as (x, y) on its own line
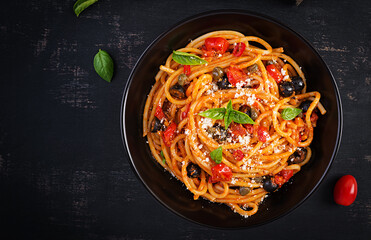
(64, 173)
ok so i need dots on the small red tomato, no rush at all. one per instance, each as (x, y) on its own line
(238, 49)
(159, 113)
(217, 44)
(169, 134)
(283, 176)
(235, 75)
(274, 72)
(345, 191)
(221, 172)
(187, 70)
(263, 134)
(238, 155)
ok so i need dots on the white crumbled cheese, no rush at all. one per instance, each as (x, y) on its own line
(200, 146)
(207, 159)
(233, 180)
(206, 123)
(219, 55)
(187, 132)
(286, 77)
(244, 140)
(283, 72)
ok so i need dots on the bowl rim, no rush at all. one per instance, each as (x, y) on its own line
(238, 12)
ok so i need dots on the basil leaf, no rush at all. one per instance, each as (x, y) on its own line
(187, 58)
(214, 113)
(103, 65)
(81, 5)
(290, 113)
(240, 117)
(162, 156)
(227, 116)
(217, 155)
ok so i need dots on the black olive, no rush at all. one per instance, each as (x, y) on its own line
(254, 114)
(177, 91)
(245, 109)
(269, 185)
(298, 156)
(305, 105)
(286, 88)
(183, 79)
(224, 83)
(218, 73)
(218, 133)
(156, 125)
(193, 170)
(253, 68)
(298, 83)
(244, 190)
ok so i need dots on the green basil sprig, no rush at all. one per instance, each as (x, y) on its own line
(228, 115)
(217, 155)
(290, 113)
(187, 58)
(103, 65)
(81, 5)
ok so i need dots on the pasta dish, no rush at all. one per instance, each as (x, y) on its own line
(230, 117)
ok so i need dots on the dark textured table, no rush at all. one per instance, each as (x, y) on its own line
(63, 170)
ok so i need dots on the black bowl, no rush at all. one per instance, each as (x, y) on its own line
(171, 192)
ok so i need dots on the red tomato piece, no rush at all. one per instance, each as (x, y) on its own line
(314, 118)
(187, 69)
(345, 191)
(220, 172)
(237, 130)
(238, 49)
(218, 45)
(283, 176)
(238, 155)
(249, 128)
(169, 134)
(274, 72)
(235, 75)
(263, 134)
(159, 113)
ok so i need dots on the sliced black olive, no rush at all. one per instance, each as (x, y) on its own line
(298, 83)
(286, 88)
(224, 83)
(253, 68)
(244, 191)
(305, 105)
(156, 125)
(218, 133)
(245, 109)
(183, 79)
(298, 156)
(193, 170)
(177, 91)
(254, 114)
(269, 185)
(218, 73)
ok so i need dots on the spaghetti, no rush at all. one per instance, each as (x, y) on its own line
(230, 117)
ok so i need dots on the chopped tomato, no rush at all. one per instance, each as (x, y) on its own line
(314, 118)
(217, 45)
(238, 155)
(220, 172)
(237, 130)
(238, 49)
(159, 113)
(249, 128)
(185, 113)
(263, 134)
(169, 134)
(235, 75)
(283, 176)
(274, 72)
(187, 69)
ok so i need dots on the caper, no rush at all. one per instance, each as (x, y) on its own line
(254, 114)
(183, 79)
(218, 73)
(177, 91)
(244, 191)
(253, 68)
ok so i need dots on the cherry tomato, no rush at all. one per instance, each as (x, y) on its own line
(235, 75)
(237, 130)
(345, 190)
(249, 128)
(169, 134)
(283, 176)
(159, 113)
(238, 49)
(220, 172)
(238, 155)
(187, 69)
(274, 72)
(217, 44)
(263, 134)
